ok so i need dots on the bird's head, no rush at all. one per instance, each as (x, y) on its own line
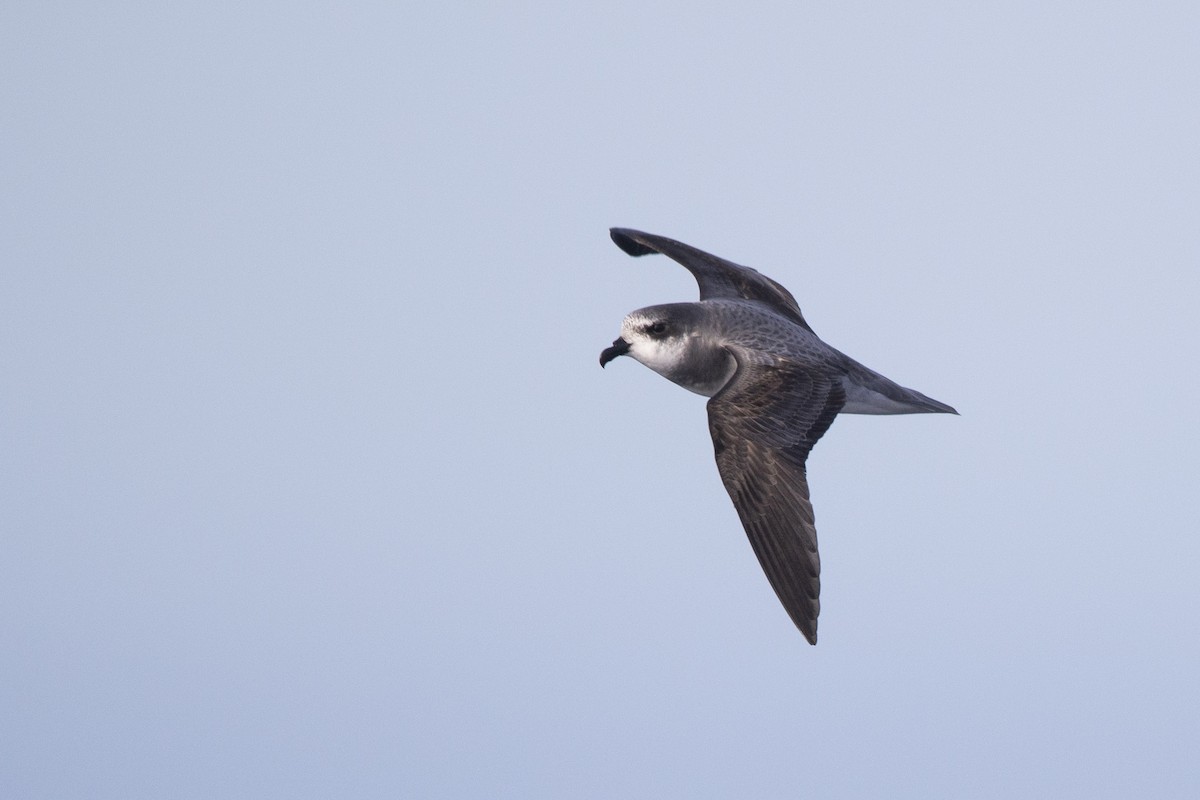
(677, 341)
(655, 336)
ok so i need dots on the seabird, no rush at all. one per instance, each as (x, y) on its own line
(774, 389)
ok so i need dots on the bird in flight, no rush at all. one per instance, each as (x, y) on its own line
(774, 389)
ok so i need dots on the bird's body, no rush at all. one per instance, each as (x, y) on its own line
(775, 388)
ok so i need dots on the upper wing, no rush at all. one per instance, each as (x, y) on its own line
(716, 276)
(763, 425)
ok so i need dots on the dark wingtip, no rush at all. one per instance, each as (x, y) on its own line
(625, 238)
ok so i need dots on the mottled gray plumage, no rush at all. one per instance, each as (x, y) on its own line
(775, 389)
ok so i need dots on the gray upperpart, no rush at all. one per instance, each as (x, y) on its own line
(691, 344)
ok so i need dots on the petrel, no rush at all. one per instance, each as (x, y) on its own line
(774, 389)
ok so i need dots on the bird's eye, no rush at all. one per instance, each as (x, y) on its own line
(657, 327)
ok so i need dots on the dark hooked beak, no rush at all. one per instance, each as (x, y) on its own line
(619, 348)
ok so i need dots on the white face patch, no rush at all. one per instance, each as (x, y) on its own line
(657, 353)
(675, 353)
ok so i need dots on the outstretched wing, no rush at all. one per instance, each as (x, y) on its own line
(716, 276)
(763, 424)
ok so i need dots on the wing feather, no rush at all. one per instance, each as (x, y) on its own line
(717, 277)
(764, 423)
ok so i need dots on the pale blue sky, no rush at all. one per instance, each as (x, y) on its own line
(311, 485)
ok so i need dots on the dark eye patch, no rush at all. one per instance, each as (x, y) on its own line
(657, 327)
